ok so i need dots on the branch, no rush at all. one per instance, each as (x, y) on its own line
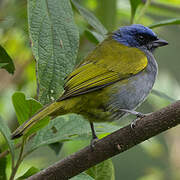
(113, 144)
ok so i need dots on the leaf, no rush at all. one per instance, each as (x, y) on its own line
(31, 171)
(102, 171)
(3, 162)
(56, 147)
(6, 61)
(26, 108)
(162, 95)
(94, 36)
(91, 37)
(91, 19)
(3, 64)
(66, 128)
(166, 22)
(82, 176)
(7, 134)
(55, 42)
(134, 6)
(107, 13)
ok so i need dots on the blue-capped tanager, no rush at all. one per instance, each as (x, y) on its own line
(113, 80)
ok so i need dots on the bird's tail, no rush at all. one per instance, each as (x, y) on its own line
(45, 111)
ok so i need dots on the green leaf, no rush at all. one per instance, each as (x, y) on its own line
(26, 108)
(107, 13)
(90, 36)
(31, 171)
(56, 147)
(102, 171)
(7, 134)
(134, 6)
(94, 36)
(55, 42)
(166, 22)
(66, 128)
(3, 64)
(82, 176)
(162, 95)
(3, 162)
(91, 19)
(6, 61)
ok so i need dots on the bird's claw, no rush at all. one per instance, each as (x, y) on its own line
(139, 116)
(133, 124)
(93, 142)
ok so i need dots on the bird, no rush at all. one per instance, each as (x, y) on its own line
(110, 82)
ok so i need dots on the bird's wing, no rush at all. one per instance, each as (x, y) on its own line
(107, 64)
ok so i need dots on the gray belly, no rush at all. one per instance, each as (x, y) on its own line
(130, 95)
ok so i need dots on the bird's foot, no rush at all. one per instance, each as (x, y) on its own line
(94, 137)
(93, 142)
(133, 123)
(139, 115)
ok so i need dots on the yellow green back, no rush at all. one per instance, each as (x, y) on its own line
(108, 63)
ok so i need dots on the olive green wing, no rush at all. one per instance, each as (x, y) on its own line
(108, 63)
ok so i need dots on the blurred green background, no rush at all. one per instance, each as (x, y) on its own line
(156, 159)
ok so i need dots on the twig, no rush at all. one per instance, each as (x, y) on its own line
(14, 170)
(111, 145)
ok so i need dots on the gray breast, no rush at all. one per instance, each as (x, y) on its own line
(130, 95)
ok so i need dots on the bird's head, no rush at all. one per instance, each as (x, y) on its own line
(138, 36)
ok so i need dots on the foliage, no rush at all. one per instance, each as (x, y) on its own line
(28, 173)
(134, 6)
(55, 41)
(5, 61)
(55, 27)
(82, 176)
(6, 133)
(26, 108)
(102, 171)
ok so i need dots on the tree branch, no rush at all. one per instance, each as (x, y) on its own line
(113, 144)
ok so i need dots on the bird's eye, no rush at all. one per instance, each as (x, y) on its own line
(141, 37)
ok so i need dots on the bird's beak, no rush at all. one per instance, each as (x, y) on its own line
(159, 43)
